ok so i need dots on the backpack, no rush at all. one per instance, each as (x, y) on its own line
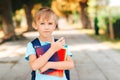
(35, 43)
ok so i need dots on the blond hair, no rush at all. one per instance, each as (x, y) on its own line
(44, 14)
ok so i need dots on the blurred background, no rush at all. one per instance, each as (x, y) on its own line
(101, 16)
(100, 19)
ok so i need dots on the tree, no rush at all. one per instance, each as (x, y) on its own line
(84, 15)
(8, 7)
(7, 23)
(68, 7)
(28, 6)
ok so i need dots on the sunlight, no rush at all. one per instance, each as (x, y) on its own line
(114, 3)
(11, 52)
(69, 32)
(1, 34)
(89, 47)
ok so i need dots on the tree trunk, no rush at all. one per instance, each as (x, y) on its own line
(7, 23)
(28, 17)
(84, 16)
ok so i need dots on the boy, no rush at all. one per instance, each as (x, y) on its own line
(45, 23)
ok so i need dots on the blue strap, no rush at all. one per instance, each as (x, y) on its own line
(55, 40)
(36, 43)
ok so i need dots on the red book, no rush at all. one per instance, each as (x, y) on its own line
(58, 56)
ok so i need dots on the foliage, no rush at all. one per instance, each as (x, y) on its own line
(19, 12)
(103, 18)
(105, 14)
(102, 15)
(92, 8)
(18, 4)
(45, 2)
(65, 7)
(115, 12)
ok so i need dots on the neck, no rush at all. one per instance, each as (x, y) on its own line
(46, 39)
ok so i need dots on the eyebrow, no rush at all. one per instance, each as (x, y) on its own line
(45, 9)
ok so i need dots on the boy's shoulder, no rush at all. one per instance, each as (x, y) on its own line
(37, 40)
(34, 40)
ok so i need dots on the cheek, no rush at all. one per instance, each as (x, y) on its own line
(35, 28)
(54, 26)
(39, 29)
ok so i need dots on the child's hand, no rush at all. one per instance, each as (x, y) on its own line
(58, 44)
(44, 68)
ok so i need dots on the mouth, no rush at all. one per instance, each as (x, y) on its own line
(46, 31)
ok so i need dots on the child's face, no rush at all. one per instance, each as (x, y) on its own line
(45, 27)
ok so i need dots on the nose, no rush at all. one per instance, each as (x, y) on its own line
(46, 26)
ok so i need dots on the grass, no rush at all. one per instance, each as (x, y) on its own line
(114, 44)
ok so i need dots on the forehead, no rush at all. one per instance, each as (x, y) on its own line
(46, 19)
(44, 16)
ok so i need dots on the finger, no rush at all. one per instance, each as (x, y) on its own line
(63, 42)
(41, 71)
(61, 39)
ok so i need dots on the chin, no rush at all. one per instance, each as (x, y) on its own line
(47, 36)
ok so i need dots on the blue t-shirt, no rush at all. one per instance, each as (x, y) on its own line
(30, 50)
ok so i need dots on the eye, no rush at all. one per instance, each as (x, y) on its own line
(50, 23)
(42, 23)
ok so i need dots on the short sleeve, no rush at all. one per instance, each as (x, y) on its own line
(68, 51)
(30, 50)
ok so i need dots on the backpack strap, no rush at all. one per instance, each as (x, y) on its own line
(36, 43)
(55, 40)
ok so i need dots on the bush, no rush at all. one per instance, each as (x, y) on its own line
(103, 21)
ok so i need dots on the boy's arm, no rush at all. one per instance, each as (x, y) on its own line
(37, 63)
(61, 65)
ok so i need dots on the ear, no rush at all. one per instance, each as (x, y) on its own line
(34, 25)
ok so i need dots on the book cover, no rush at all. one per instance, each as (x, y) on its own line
(58, 56)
